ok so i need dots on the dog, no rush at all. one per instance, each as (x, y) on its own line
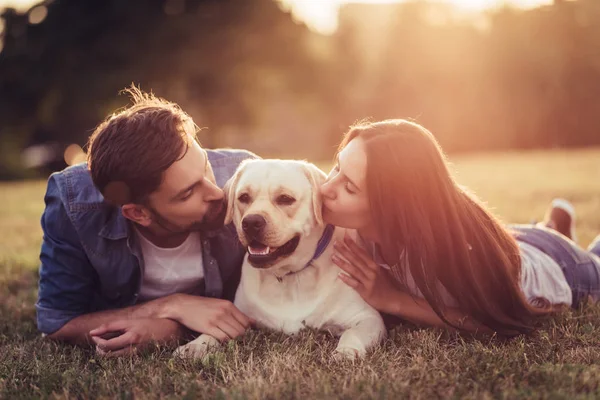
(288, 280)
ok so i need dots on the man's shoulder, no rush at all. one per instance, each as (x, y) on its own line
(225, 162)
(218, 157)
(76, 188)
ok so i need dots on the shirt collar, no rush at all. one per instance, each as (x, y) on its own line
(321, 247)
(116, 226)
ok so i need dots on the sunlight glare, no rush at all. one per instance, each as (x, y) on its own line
(321, 15)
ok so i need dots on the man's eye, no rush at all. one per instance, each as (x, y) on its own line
(187, 195)
(285, 200)
(244, 198)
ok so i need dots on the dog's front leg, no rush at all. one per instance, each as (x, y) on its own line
(360, 336)
(198, 347)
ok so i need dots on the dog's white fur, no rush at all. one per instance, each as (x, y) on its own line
(287, 296)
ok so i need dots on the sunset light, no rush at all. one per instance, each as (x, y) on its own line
(170, 228)
(321, 15)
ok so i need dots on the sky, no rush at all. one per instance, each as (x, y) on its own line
(321, 15)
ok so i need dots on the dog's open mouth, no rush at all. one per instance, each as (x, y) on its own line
(260, 255)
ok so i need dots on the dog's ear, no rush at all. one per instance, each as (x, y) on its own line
(316, 178)
(230, 189)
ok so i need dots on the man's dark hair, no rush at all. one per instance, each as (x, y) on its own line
(129, 152)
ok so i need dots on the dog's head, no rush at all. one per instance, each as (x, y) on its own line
(275, 205)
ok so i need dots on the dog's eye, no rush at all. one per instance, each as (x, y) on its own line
(285, 200)
(244, 198)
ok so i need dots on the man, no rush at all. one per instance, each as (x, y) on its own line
(134, 248)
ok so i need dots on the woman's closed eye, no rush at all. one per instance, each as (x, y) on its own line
(348, 187)
(187, 195)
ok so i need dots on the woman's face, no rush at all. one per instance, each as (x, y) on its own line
(345, 200)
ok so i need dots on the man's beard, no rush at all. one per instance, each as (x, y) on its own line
(213, 219)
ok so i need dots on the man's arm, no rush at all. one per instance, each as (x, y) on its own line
(77, 330)
(173, 314)
(67, 278)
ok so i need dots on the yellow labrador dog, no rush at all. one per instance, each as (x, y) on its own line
(288, 279)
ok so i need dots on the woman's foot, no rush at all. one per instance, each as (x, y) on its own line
(560, 216)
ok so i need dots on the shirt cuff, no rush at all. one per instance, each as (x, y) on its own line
(50, 320)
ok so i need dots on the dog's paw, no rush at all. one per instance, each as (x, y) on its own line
(346, 353)
(198, 348)
(190, 351)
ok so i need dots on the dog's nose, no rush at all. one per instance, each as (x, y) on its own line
(253, 225)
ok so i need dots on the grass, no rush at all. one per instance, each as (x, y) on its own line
(561, 360)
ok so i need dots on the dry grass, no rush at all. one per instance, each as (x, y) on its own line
(559, 361)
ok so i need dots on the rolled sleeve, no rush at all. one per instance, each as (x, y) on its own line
(66, 275)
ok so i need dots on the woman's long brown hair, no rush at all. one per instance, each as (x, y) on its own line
(442, 233)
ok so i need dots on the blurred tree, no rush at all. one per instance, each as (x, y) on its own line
(219, 59)
(507, 79)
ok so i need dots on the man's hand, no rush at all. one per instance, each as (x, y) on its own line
(124, 337)
(218, 318)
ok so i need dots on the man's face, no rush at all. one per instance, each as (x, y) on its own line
(188, 199)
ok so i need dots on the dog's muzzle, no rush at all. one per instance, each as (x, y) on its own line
(253, 226)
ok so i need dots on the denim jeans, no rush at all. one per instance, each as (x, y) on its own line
(581, 267)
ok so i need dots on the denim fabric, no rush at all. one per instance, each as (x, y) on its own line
(581, 267)
(595, 246)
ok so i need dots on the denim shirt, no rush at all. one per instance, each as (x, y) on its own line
(90, 259)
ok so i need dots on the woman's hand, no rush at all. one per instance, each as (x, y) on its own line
(374, 283)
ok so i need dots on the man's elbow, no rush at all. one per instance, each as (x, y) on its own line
(57, 336)
(61, 335)
(66, 334)
(69, 338)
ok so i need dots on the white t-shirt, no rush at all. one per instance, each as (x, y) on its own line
(541, 277)
(171, 270)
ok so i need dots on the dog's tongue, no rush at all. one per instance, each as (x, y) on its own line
(258, 249)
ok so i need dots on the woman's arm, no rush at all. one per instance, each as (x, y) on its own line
(419, 312)
(377, 287)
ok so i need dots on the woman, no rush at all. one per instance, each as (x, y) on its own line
(429, 251)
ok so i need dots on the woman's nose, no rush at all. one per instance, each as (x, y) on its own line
(326, 190)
